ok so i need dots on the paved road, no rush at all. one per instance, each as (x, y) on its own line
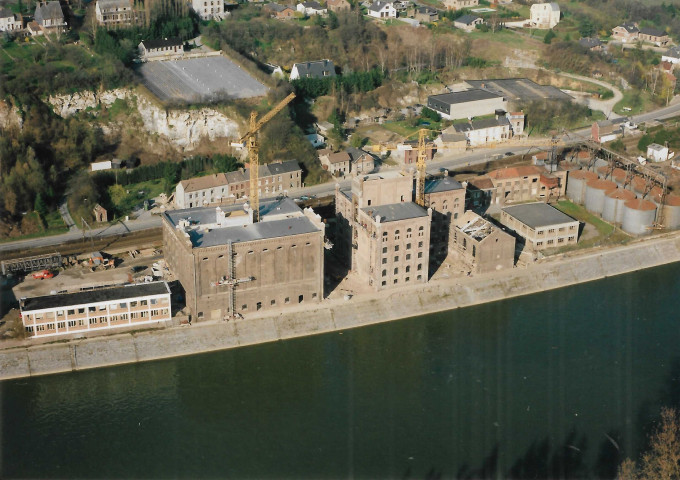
(445, 161)
(606, 106)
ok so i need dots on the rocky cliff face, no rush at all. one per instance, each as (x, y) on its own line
(10, 116)
(183, 128)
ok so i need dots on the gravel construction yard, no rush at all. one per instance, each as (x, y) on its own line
(199, 80)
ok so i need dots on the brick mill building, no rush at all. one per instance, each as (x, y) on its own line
(230, 265)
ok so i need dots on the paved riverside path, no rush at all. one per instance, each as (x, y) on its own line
(29, 359)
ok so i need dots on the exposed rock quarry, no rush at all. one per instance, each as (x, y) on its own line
(183, 128)
(10, 116)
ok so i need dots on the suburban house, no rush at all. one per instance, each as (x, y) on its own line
(458, 4)
(451, 140)
(480, 245)
(209, 9)
(410, 149)
(50, 17)
(466, 104)
(382, 10)
(274, 179)
(672, 55)
(311, 8)
(485, 131)
(652, 35)
(9, 21)
(338, 6)
(317, 69)
(426, 14)
(626, 32)
(516, 120)
(338, 164)
(161, 49)
(545, 15)
(468, 22)
(362, 162)
(541, 225)
(281, 12)
(606, 130)
(658, 153)
(591, 43)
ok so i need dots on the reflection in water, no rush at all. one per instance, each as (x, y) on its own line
(562, 384)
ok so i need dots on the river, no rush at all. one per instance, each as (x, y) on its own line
(564, 384)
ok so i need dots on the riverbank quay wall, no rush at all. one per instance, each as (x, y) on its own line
(336, 315)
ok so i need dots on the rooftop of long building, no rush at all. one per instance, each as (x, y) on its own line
(395, 212)
(538, 214)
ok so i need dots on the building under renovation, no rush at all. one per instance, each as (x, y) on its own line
(229, 264)
(480, 245)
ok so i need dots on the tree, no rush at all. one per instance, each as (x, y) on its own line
(662, 460)
(586, 28)
(39, 205)
(549, 37)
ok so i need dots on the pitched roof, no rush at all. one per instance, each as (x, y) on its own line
(394, 212)
(6, 13)
(482, 182)
(313, 5)
(106, 4)
(49, 10)
(276, 168)
(201, 183)
(162, 42)
(316, 68)
(427, 10)
(275, 7)
(377, 6)
(466, 19)
(590, 42)
(538, 214)
(444, 184)
(629, 27)
(514, 172)
(653, 32)
(339, 157)
(471, 95)
(673, 52)
(355, 153)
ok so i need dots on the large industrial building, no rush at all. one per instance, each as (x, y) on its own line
(99, 309)
(466, 104)
(541, 225)
(229, 265)
(480, 245)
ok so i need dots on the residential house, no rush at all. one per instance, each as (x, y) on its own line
(338, 6)
(485, 131)
(282, 12)
(606, 130)
(9, 21)
(626, 33)
(382, 10)
(652, 35)
(544, 15)
(470, 103)
(458, 4)
(468, 22)
(672, 55)
(209, 9)
(316, 69)
(480, 245)
(516, 120)
(311, 8)
(161, 49)
(410, 149)
(315, 139)
(50, 17)
(451, 140)
(362, 162)
(114, 13)
(591, 43)
(658, 153)
(426, 14)
(541, 225)
(338, 164)
(274, 179)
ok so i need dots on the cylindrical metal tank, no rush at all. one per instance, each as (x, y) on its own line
(619, 176)
(604, 172)
(655, 195)
(583, 157)
(569, 166)
(576, 184)
(600, 162)
(671, 212)
(595, 192)
(639, 185)
(638, 216)
(613, 204)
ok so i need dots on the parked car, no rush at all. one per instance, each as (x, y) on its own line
(43, 274)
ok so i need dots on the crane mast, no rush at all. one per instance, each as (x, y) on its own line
(250, 139)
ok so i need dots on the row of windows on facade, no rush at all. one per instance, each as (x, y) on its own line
(264, 250)
(408, 247)
(272, 303)
(95, 320)
(81, 310)
(163, 49)
(552, 241)
(552, 230)
(266, 190)
(407, 269)
(409, 233)
(396, 280)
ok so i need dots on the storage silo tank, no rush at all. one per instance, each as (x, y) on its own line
(671, 212)
(604, 172)
(613, 204)
(595, 192)
(638, 216)
(619, 176)
(600, 162)
(583, 157)
(569, 166)
(639, 185)
(576, 184)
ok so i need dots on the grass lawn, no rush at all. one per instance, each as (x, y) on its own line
(54, 225)
(504, 36)
(137, 193)
(638, 102)
(607, 234)
(400, 128)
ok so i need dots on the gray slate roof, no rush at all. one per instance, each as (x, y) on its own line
(316, 69)
(427, 10)
(630, 27)
(466, 19)
(539, 214)
(50, 11)
(355, 153)
(590, 42)
(6, 13)
(377, 6)
(673, 52)
(94, 296)
(653, 32)
(276, 7)
(314, 5)
(466, 96)
(283, 167)
(444, 184)
(394, 212)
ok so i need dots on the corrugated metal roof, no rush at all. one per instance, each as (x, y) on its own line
(538, 214)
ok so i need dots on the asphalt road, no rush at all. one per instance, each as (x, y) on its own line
(450, 162)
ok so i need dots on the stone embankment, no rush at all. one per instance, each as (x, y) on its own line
(184, 128)
(557, 272)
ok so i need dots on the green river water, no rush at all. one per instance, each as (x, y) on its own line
(562, 384)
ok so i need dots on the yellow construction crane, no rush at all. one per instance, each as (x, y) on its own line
(253, 150)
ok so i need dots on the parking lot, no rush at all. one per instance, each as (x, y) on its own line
(199, 80)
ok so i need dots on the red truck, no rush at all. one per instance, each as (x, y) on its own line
(43, 274)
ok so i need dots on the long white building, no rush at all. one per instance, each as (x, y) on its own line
(100, 309)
